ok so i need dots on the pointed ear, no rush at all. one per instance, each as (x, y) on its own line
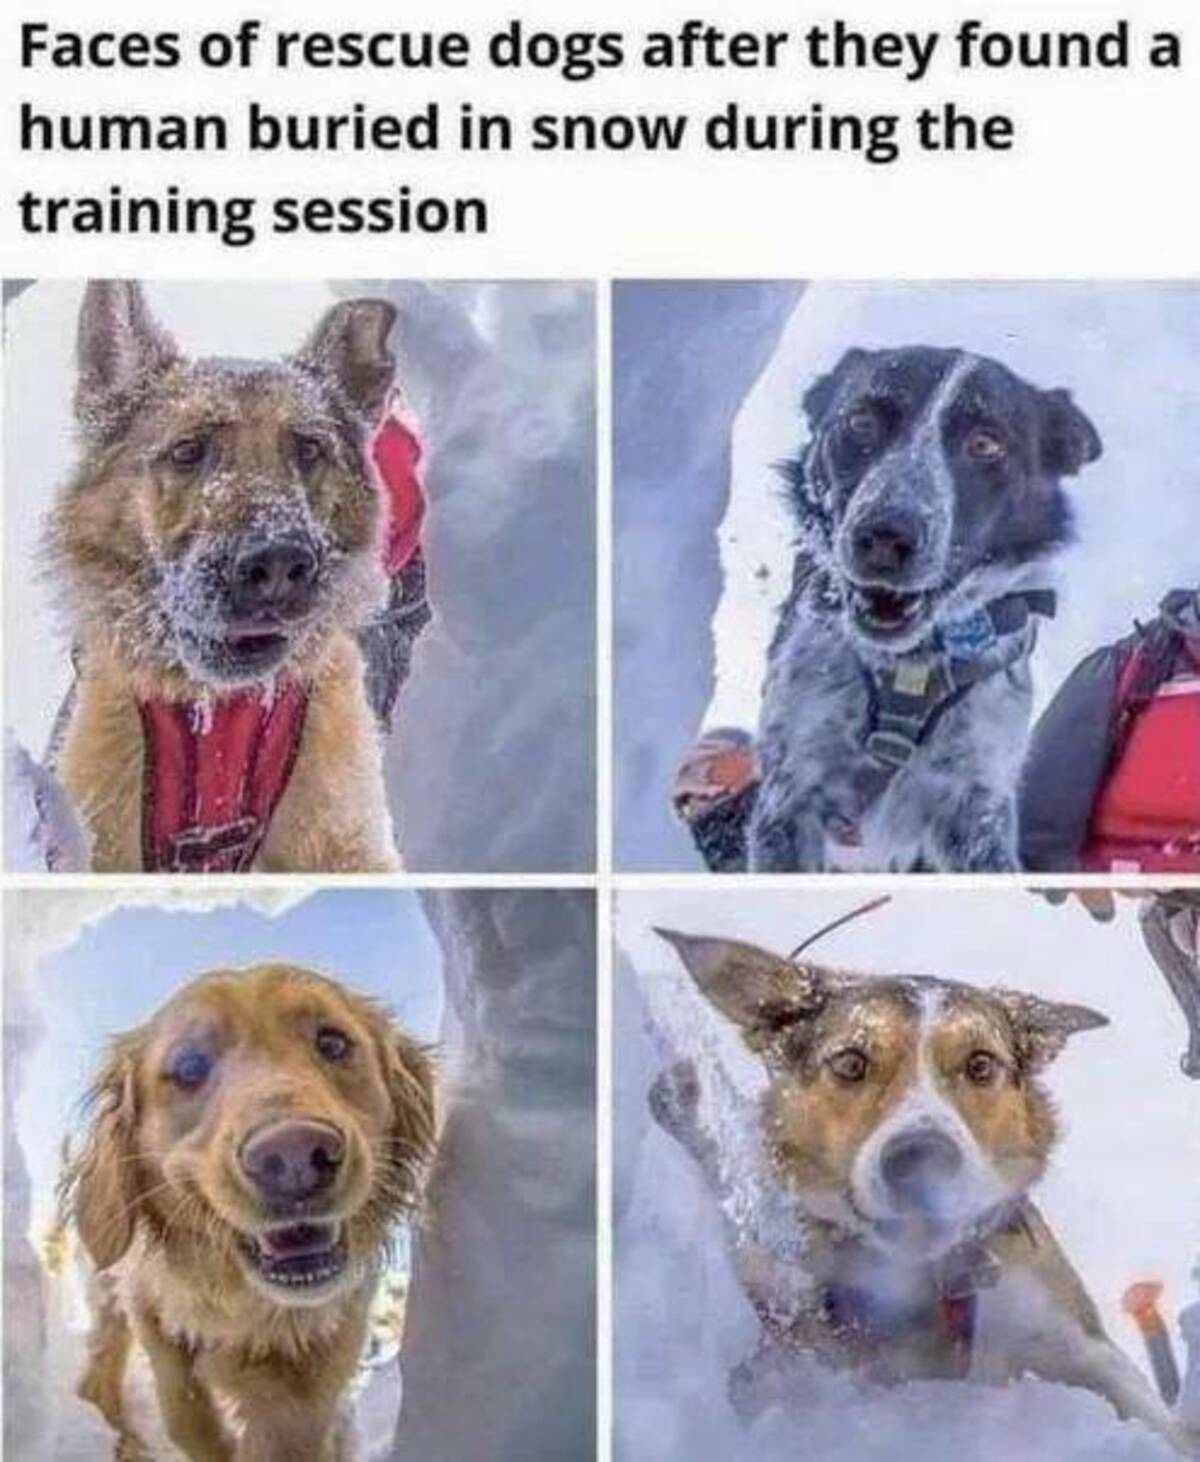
(349, 349)
(820, 395)
(118, 344)
(1068, 439)
(1041, 1028)
(99, 1185)
(755, 989)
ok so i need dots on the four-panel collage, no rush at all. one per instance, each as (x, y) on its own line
(601, 871)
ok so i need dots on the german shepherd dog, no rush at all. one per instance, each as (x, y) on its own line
(905, 1120)
(217, 547)
(897, 695)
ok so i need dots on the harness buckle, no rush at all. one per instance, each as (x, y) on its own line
(892, 748)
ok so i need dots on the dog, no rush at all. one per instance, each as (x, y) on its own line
(216, 548)
(251, 1147)
(897, 694)
(906, 1121)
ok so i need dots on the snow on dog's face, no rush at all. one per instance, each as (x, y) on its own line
(223, 519)
(930, 479)
(905, 1109)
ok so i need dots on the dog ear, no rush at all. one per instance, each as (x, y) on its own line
(118, 344)
(349, 348)
(1041, 1028)
(412, 1085)
(755, 989)
(1069, 441)
(820, 395)
(99, 1186)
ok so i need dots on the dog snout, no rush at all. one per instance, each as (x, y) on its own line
(885, 548)
(275, 576)
(914, 1165)
(293, 1160)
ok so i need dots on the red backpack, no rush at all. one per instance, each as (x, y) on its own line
(1146, 818)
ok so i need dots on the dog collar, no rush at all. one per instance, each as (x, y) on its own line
(213, 775)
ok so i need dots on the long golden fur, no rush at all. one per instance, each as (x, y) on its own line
(182, 465)
(174, 1215)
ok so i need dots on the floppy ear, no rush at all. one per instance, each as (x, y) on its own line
(755, 989)
(118, 344)
(412, 1085)
(1069, 440)
(820, 395)
(349, 349)
(99, 1186)
(1041, 1028)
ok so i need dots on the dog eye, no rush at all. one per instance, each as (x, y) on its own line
(981, 1067)
(188, 452)
(190, 1069)
(863, 424)
(309, 451)
(333, 1044)
(849, 1065)
(985, 446)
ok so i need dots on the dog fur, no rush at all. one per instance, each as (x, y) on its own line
(182, 465)
(863, 1070)
(164, 1199)
(930, 487)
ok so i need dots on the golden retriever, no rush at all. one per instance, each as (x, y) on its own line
(251, 1147)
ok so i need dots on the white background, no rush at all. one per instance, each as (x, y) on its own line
(1100, 184)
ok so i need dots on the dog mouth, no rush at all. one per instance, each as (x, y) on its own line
(299, 1257)
(255, 644)
(886, 614)
(241, 652)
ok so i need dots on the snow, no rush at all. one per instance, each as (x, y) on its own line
(681, 1321)
(491, 762)
(1127, 352)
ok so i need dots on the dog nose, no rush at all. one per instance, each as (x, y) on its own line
(886, 548)
(292, 1160)
(276, 575)
(913, 1164)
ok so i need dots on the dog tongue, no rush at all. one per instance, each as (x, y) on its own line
(299, 1239)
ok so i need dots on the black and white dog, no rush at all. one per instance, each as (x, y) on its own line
(897, 697)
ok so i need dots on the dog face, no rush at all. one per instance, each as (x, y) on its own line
(268, 1118)
(904, 1109)
(928, 474)
(223, 518)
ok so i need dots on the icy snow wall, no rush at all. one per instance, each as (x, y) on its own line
(703, 555)
(1122, 1193)
(491, 762)
(499, 1357)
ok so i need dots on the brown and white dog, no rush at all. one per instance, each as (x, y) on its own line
(216, 549)
(905, 1121)
(251, 1147)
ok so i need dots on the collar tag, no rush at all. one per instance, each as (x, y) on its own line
(964, 639)
(912, 678)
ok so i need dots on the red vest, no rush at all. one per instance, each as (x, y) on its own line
(1147, 815)
(214, 772)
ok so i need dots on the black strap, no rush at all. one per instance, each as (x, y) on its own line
(909, 698)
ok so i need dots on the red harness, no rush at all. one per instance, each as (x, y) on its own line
(214, 772)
